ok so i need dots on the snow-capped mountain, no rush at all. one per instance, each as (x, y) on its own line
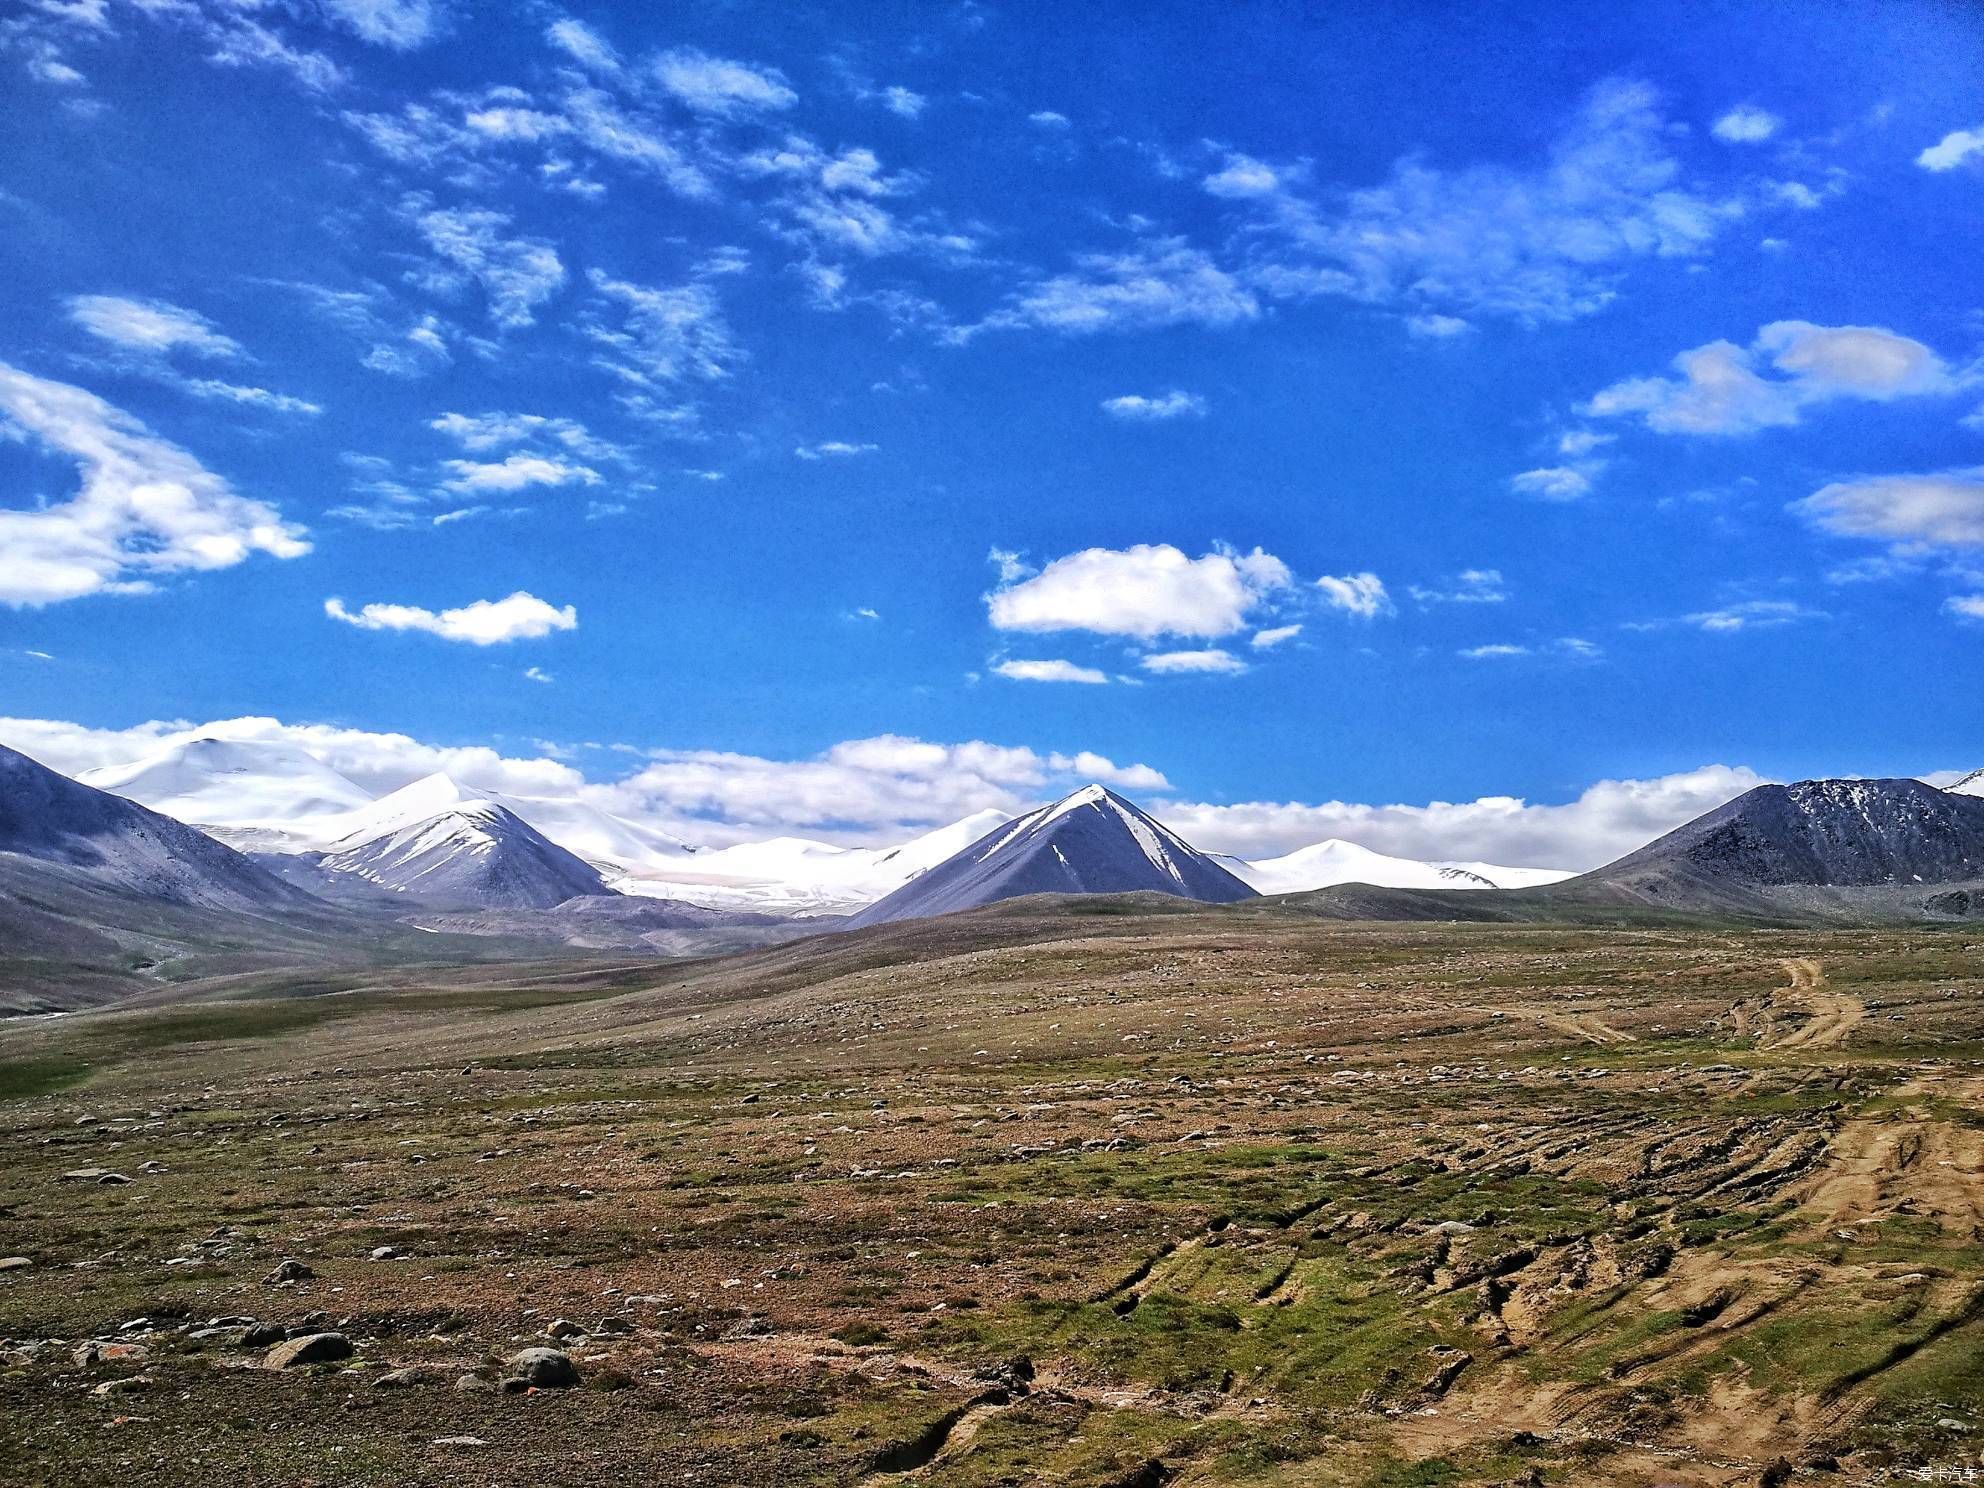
(1090, 842)
(52, 819)
(442, 844)
(1970, 785)
(255, 795)
(798, 876)
(1323, 865)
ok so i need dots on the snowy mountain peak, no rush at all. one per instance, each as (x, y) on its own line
(249, 784)
(1089, 842)
(1970, 785)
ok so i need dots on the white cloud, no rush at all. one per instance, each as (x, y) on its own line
(144, 507)
(1746, 125)
(667, 335)
(150, 326)
(1359, 594)
(1209, 660)
(1048, 119)
(480, 433)
(1144, 591)
(1942, 510)
(1161, 283)
(517, 274)
(1553, 482)
(538, 674)
(1953, 149)
(903, 103)
(1137, 408)
(863, 790)
(1578, 442)
(1497, 652)
(1605, 822)
(1964, 606)
(487, 622)
(399, 24)
(517, 473)
(1437, 327)
(834, 449)
(1050, 671)
(1755, 614)
(583, 45)
(1470, 586)
(1242, 178)
(1720, 391)
(1547, 241)
(1267, 639)
(722, 88)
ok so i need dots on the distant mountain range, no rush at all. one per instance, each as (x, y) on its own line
(102, 883)
(273, 798)
(1090, 842)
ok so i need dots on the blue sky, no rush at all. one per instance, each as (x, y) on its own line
(733, 384)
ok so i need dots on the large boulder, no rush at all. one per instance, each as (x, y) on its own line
(311, 1348)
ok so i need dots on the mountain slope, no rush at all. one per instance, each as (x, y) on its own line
(1091, 842)
(470, 852)
(1325, 864)
(262, 795)
(1970, 785)
(1840, 852)
(795, 875)
(122, 845)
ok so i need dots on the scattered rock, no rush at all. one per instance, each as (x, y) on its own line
(458, 1441)
(563, 1328)
(386, 1253)
(473, 1382)
(289, 1271)
(545, 1368)
(132, 1385)
(262, 1335)
(14, 1263)
(400, 1379)
(615, 1325)
(94, 1175)
(110, 1353)
(311, 1348)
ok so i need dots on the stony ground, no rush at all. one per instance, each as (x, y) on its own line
(1111, 1201)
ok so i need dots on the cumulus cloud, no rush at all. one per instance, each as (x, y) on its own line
(1953, 149)
(1137, 408)
(1211, 659)
(1050, 671)
(1145, 591)
(1965, 606)
(487, 622)
(903, 103)
(1746, 125)
(1605, 822)
(144, 507)
(1359, 594)
(1720, 391)
(517, 473)
(863, 790)
(1940, 510)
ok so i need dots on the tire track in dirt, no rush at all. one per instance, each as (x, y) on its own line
(1830, 1015)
